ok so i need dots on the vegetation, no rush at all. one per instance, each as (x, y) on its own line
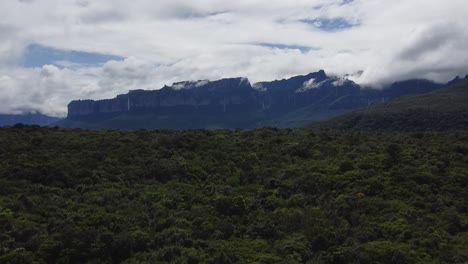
(442, 110)
(261, 196)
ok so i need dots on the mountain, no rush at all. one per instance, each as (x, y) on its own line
(226, 103)
(235, 103)
(458, 80)
(27, 119)
(444, 109)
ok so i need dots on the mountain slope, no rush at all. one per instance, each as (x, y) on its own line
(445, 109)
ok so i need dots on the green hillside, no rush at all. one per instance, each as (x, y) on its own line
(445, 109)
(259, 196)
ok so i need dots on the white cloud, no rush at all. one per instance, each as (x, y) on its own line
(175, 40)
(189, 84)
(310, 84)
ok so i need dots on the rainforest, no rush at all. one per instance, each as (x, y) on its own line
(232, 196)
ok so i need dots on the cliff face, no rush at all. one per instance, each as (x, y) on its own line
(81, 108)
(221, 95)
(314, 96)
(88, 107)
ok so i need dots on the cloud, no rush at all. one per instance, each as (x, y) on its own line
(310, 84)
(102, 16)
(431, 40)
(313, 84)
(45, 90)
(285, 46)
(163, 42)
(189, 84)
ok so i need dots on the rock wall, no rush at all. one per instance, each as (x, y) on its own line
(237, 94)
(218, 94)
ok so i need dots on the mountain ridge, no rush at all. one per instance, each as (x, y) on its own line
(27, 119)
(236, 103)
(442, 110)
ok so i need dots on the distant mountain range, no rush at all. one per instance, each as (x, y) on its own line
(27, 119)
(441, 110)
(232, 103)
(236, 103)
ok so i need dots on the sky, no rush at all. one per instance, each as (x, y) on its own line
(55, 51)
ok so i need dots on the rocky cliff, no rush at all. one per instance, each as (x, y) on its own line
(221, 95)
(305, 98)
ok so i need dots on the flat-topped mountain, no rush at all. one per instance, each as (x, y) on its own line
(199, 94)
(236, 103)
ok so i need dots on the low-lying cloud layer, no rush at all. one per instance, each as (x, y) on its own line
(144, 44)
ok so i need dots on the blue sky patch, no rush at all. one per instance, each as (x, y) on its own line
(284, 46)
(36, 55)
(329, 24)
(345, 2)
(342, 3)
(200, 15)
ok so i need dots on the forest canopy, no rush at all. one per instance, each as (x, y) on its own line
(229, 196)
